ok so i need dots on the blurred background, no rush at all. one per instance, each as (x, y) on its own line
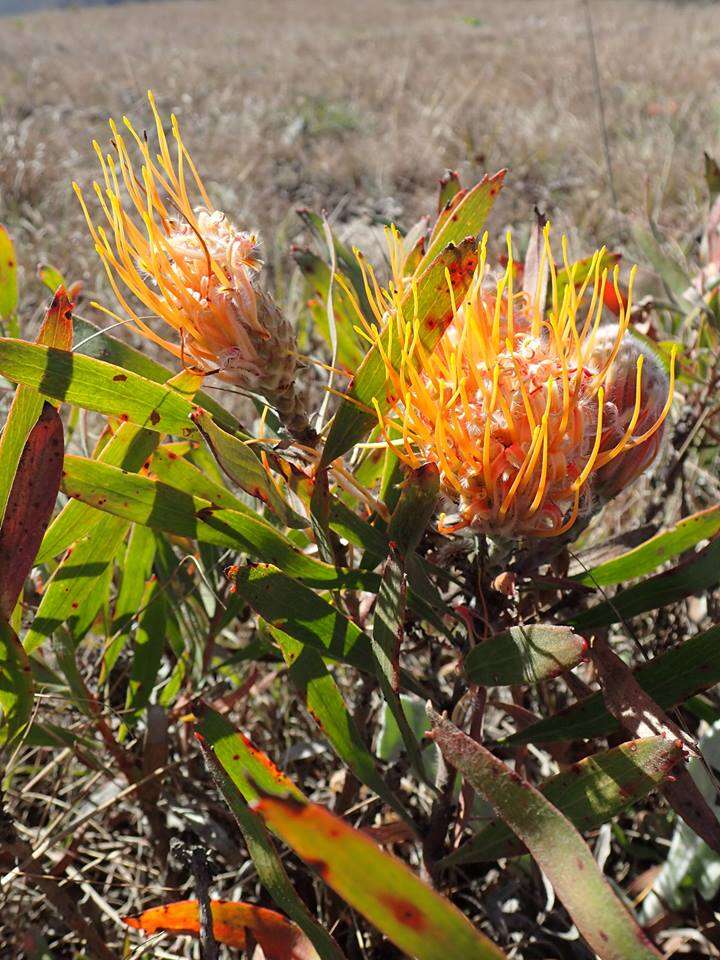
(359, 108)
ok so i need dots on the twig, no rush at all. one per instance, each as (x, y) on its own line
(196, 858)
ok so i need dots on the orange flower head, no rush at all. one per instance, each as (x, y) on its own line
(165, 243)
(533, 416)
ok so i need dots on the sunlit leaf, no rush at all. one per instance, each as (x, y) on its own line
(524, 655)
(649, 555)
(27, 404)
(8, 276)
(158, 505)
(94, 385)
(699, 572)
(669, 679)
(421, 922)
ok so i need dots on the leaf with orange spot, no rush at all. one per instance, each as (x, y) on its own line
(279, 938)
(249, 768)
(8, 277)
(418, 919)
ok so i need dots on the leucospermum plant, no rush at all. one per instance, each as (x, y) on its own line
(348, 563)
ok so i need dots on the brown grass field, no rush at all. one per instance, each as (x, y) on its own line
(357, 109)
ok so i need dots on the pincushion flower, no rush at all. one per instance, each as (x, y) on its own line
(165, 243)
(534, 417)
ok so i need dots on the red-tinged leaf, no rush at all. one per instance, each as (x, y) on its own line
(421, 922)
(57, 327)
(464, 217)
(279, 938)
(30, 505)
(449, 187)
(641, 716)
(600, 916)
(612, 301)
(589, 793)
(56, 331)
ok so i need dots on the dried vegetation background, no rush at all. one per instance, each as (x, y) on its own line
(357, 109)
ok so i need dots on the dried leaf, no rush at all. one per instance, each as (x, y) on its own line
(279, 938)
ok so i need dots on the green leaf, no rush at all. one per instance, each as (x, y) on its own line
(94, 342)
(673, 275)
(241, 464)
(345, 258)
(51, 277)
(94, 385)
(148, 646)
(74, 593)
(155, 504)
(414, 510)
(526, 654)
(557, 847)
(268, 864)
(589, 793)
(136, 569)
(669, 679)
(129, 448)
(407, 526)
(30, 505)
(317, 274)
(16, 686)
(655, 551)
(304, 615)
(8, 277)
(418, 920)
(467, 219)
(178, 471)
(326, 706)
(449, 187)
(434, 313)
(250, 769)
(698, 573)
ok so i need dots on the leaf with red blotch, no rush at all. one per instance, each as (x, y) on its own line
(279, 938)
(56, 331)
(641, 716)
(30, 505)
(418, 920)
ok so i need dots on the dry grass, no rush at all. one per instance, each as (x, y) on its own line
(358, 109)
(355, 108)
